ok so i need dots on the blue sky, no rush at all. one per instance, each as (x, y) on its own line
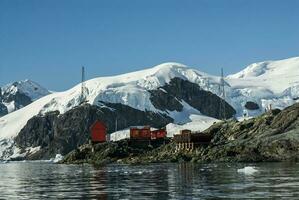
(48, 41)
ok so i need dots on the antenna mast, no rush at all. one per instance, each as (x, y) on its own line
(83, 88)
(222, 113)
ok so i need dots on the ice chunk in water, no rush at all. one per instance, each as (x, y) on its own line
(247, 170)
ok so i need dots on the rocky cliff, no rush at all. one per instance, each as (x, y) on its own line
(60, 134)
(170, 97)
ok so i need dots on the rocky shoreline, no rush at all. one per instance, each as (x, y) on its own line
(273, 136)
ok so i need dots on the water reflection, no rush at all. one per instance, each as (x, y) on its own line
(159, 181)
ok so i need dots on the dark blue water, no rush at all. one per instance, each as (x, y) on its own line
(40, 180)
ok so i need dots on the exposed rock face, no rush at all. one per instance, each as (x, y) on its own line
(18, 100)
(250, 105)
(3, 109)
(169, 97)
(163, 100)
(269, 137)
(111, 152)
(19, 94)
(62, 133)
(273, 136)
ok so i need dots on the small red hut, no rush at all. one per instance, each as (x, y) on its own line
(158, 134)
(140, 133)
(98, 132)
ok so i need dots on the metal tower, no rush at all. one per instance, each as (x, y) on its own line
(222, 113)
(83, 88)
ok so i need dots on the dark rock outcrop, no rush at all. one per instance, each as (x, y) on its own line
(169, 97)
(163, 100)
(62, 133)
(104, 153)
(273, 136)
(19, 100)
(250, 105)
(3, 109)
(19, 94)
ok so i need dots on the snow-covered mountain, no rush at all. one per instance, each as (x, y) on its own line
(132, 89)
(250, 91)
(270, 82)
(19, 94)
(274, 83)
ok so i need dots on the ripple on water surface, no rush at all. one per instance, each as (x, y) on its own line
(37, 180)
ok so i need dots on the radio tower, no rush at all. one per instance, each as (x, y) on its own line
(222, 114)
(83, 88)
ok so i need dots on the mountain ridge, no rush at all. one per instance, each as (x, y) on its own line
(133, 90)
(19, 94)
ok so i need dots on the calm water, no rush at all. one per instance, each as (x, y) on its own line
(38, 180)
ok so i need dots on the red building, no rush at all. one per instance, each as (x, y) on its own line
(98, 132)
(158, 134)
(145, 133)
(140, 133)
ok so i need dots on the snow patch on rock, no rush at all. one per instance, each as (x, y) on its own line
(57, 158)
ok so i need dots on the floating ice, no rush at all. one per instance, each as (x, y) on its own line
(57, 158)
(247, 170)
